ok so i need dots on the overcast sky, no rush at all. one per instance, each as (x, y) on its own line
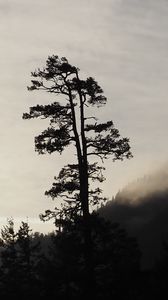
(123, 44)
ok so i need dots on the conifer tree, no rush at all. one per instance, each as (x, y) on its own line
(19, 259)
(9, 254)
(8, 278)
(70, 124)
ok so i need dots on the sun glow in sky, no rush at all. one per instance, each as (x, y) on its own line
(123, 44)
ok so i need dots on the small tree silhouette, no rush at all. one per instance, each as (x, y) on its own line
(19, 258)
(71, 124)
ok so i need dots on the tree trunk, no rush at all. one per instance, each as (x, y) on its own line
(84, 195)
(88, 248)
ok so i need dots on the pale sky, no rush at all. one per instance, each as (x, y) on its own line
(123, 44)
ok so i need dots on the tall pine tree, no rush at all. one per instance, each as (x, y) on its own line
(71, 124)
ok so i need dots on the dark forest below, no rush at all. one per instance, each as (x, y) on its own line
(38, 265)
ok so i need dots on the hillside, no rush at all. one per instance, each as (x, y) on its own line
(142, 208)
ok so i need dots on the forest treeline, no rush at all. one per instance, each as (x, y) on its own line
(142, 209)
(52, 265)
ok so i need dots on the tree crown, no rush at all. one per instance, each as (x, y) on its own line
(69, 123)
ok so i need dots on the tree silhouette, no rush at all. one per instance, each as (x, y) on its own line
(28, 260)
(71, 124)
(19, 258)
